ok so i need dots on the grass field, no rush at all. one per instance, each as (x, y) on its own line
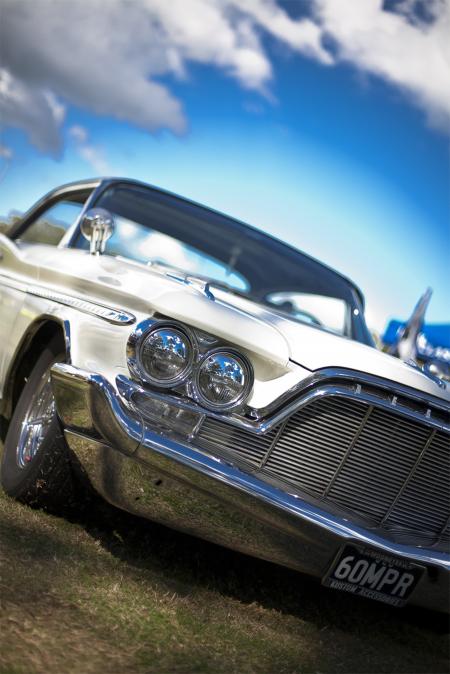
(113, 593)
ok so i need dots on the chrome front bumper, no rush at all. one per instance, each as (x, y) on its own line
(171, 481)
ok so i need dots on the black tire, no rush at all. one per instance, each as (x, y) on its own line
(47, 480)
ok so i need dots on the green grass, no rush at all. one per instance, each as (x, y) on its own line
(113, 593)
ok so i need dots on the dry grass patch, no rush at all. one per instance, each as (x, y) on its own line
(112, 593)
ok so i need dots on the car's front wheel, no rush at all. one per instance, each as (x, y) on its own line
(35, 467)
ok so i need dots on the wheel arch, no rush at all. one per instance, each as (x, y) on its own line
(40, 332)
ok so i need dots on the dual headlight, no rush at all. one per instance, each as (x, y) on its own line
(168, 355)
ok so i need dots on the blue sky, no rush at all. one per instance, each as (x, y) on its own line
(329, 147)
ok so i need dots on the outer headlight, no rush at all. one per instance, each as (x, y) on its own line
(166, 355)
(223, 380)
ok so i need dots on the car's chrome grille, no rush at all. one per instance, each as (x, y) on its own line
(424, 502)
(378, 464)
(392, 472)
(313, 442)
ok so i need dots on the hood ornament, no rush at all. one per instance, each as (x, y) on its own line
(195, 282)
(202, 286)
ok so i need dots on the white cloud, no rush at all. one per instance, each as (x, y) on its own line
(110, 57)
(30, 108)
(5, 152)
(95, 157)
(162, 248)
(92, 154)
(302, 35)
(78, 133)
(411, 53)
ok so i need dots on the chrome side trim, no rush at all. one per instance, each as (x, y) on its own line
(67, 341)
(312, 389)
(110, 314)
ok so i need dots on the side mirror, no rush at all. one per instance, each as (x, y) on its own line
(97, 227)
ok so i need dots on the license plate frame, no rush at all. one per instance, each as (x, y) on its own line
(358, 570)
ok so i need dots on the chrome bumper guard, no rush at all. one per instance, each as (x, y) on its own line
(169, 480)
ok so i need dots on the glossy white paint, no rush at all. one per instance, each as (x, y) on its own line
(316, 349)
(282, 351)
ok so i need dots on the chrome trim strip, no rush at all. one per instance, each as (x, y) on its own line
(305, 395)
(110, 314)
(356, 377)
(272, 445)
(409, 478)
(348, 451)
(446, 524)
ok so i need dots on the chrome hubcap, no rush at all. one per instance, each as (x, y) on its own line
(36, 422)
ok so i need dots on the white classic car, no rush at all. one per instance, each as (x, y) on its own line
(208, 376)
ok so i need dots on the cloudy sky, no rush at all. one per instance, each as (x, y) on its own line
(324, 122)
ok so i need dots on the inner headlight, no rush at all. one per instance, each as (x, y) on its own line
(166, 356)
(223, 380)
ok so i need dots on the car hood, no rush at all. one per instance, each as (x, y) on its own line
(236, 319)
(317, 349)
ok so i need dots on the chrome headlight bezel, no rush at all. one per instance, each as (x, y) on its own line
(246, 390)
(137, 342)
(202, 346)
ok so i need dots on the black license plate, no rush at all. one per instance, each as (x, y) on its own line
(371, 574)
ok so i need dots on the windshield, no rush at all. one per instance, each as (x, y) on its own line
(161, 229)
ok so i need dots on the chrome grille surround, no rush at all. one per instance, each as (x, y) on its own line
(378, 456)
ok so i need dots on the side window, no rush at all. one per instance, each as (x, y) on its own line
(53, 223)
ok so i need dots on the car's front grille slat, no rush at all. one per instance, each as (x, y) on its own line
(248, 446)
(387, 469)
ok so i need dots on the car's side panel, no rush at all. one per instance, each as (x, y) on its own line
(11, 302)
(12, 266)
